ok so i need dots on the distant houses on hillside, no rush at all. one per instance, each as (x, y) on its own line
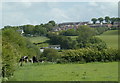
(74, 25)
(69, 25)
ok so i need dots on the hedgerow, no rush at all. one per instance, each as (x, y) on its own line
(90, 55)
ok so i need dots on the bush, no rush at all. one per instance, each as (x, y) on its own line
(69, 32)
(14, 46)
(50, 55)
(90, 55)
(101, 30)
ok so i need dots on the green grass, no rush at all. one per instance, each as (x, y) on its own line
(68, 72)
(111, 38)
(38, 39)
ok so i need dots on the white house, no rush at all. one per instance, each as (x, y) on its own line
(57, 47)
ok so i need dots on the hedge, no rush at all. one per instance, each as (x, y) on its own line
(90, 55)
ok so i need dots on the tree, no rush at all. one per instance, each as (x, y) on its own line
(28, 29)
(52, 22)
(107, 19)
(69, 32)
(117, 19)
(94, 20)
(39, 30)
(112, 20)
(50, 54)
(48, 26)
(85, 33)
(100, 20)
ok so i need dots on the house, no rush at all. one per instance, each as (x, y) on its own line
(57, 47)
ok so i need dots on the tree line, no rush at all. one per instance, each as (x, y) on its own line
(35, 30)
(107, 19)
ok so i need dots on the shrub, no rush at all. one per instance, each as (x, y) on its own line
(14, 46)
(50, 54)
(90, 55)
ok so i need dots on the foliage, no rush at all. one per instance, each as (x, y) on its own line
(52, 22)
(39, 30)
(85, 33)
(28, 29)
(90, 55)
(101, 30)
(69, 32)
(50, 54)
(100, 20)
(14, 46)
(94, 20)
(85, 39)
(96, 43)
(107, 19)
(63, 41)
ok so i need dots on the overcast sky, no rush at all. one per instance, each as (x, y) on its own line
(20, 13)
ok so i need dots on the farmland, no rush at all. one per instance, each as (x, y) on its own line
(40, 39)
(111, 38)
(97, 71)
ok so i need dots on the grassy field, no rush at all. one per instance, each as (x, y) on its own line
(111, 38)
(40, 39)
(68, 72)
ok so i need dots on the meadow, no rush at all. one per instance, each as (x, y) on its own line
(40, 39)
(96, 71)
(111, 38)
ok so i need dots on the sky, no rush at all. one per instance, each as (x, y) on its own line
(21, 13)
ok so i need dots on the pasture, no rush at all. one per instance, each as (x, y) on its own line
(96, 71)
(111, 38)
(40, 39)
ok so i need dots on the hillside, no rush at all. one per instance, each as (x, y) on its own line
(111, 38)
